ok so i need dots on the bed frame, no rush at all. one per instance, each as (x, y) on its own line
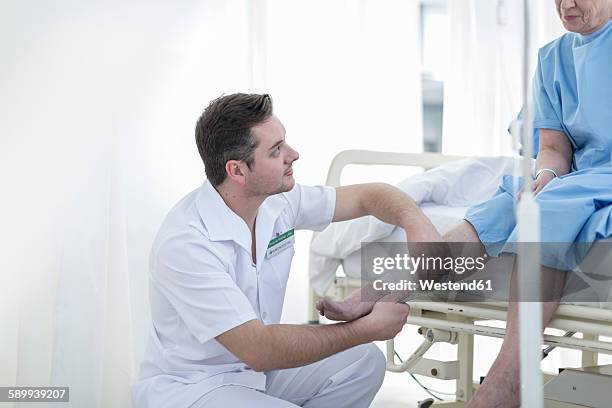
(456, 322)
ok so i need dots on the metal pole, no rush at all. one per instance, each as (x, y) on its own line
(529, 279)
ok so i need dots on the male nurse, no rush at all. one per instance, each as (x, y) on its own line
(218, 274)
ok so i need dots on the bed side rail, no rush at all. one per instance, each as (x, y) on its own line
(370, 157)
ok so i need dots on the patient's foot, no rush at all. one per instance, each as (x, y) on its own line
(347, 309)
(500, 389)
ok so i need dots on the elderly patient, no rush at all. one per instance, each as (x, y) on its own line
(572, 92)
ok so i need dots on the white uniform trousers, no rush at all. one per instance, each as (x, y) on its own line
(350, 378)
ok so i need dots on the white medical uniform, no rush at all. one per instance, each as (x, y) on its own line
(203, 283)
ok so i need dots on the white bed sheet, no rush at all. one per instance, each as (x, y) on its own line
(446, 191)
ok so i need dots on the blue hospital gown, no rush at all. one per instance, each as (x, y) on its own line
(573, 94)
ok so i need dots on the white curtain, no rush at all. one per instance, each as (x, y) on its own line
(99, 101)
(483, 89)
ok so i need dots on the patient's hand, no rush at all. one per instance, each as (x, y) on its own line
(348, 309)
(541, 182)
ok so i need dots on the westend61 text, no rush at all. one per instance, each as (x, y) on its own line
(431, 285)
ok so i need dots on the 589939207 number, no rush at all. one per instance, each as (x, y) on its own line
(50, 394)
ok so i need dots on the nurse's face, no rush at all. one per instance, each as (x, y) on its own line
(272, 171)
(584, 16)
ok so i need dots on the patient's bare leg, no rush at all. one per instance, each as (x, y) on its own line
(501, 386)
(462, 232)
(421, 232)
(348, 309)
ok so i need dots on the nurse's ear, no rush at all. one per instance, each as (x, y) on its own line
(236, 171)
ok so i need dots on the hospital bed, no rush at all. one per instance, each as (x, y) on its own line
(458, 323)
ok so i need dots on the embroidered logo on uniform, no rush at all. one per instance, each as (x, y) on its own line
(280, 242)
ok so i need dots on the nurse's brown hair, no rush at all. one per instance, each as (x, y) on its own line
(223, 131)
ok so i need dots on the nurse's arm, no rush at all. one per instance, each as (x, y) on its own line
(554, 152)
(391, 205)
(279, 346)
(387, 203)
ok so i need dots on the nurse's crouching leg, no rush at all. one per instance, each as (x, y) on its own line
(239, 396)
(350, 378)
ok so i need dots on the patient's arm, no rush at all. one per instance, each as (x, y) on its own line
(554, 152)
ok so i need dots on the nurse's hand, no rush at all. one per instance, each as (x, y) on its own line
(386, 319)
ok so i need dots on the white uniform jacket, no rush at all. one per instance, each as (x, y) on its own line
(203, 282)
